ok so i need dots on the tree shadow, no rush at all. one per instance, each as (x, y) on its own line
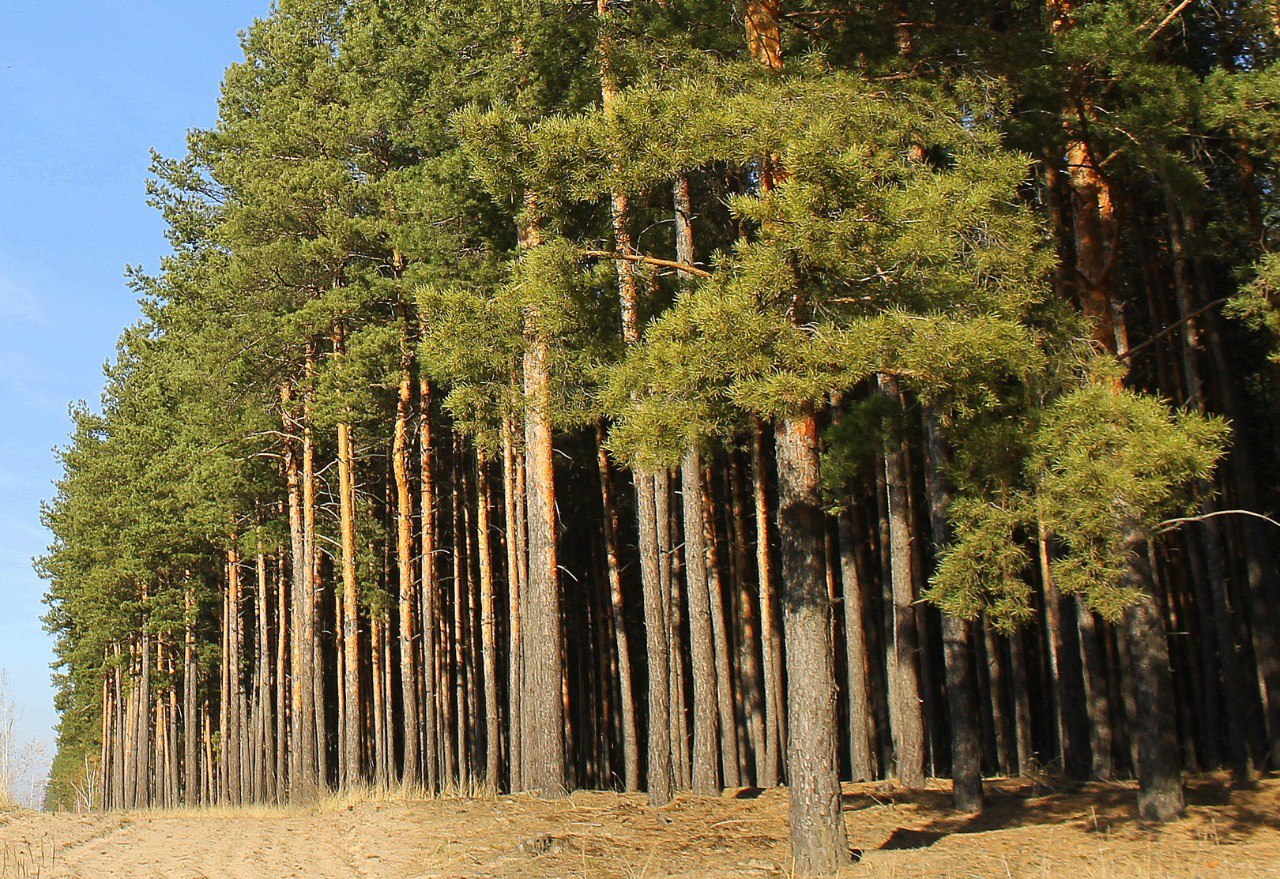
(1215, 809)
(904, 838)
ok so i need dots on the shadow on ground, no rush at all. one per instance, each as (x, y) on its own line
(1226, 813)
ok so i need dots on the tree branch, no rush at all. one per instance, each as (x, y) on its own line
(1172, 327)
(649, 260)
(1168, 19)
(1171, 524)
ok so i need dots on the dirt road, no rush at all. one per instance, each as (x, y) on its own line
(1029, 831)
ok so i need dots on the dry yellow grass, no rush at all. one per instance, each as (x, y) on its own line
(1030, 831)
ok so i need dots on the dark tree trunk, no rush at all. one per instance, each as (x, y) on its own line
(750, 663)
(957, 639)
(1159, 774)
(429, 585)
(516, 561)
(622, 642)
(1215, 561)
(1097, 693)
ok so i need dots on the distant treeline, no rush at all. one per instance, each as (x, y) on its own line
(679, 395)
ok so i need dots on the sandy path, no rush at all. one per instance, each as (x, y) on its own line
(213, 848)
(1027, 832)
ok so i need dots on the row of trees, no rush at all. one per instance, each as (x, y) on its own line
(672, 395)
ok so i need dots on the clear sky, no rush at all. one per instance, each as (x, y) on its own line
(87, 87)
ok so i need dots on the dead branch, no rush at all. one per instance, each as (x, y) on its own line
(649, 260)
(1171, 524)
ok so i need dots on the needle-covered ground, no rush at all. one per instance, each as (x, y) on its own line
(1031, 829)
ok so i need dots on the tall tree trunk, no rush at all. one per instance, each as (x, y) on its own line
(721, 648)
(140, 741)
(377, 655)
(488, 626)
(1215, 567)
(1093, 209)
(966, 751)
(819, 844)
(659, 780)
(190, 681)
(861, 765)
(171, 745)
(904, 692)
(706, 777)
(300, 731)
(661, 771)
(315, 745)
(284, 643)
(265, 723)
(1159, 776)
(1097, 693)
(770, 634)
(224, 693)
(131, 767)
(1067, 691)
(750, 662)
(407, 598)
(1019, 684)
(429, 585)
(157, 779)
(542, 703)
(233, 692)
(352, 769)
(671, 584)
(106, 730)
(516, 566)
(240, 707)
(209, 774)
(622, 642)
(143, 741)
(461, 617)
(120, 746)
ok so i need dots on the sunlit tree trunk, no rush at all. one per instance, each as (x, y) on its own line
(407, 598)
(542, 705)
(351, 765)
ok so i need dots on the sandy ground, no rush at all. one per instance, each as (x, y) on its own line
(1030, 830)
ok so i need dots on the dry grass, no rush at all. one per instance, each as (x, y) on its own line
(329, 802)
(1032, 830)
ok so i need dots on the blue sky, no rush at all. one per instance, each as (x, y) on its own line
(87, 87)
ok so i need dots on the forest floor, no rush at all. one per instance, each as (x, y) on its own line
(1030, 829)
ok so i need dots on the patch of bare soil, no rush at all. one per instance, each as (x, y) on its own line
(1029, 830)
